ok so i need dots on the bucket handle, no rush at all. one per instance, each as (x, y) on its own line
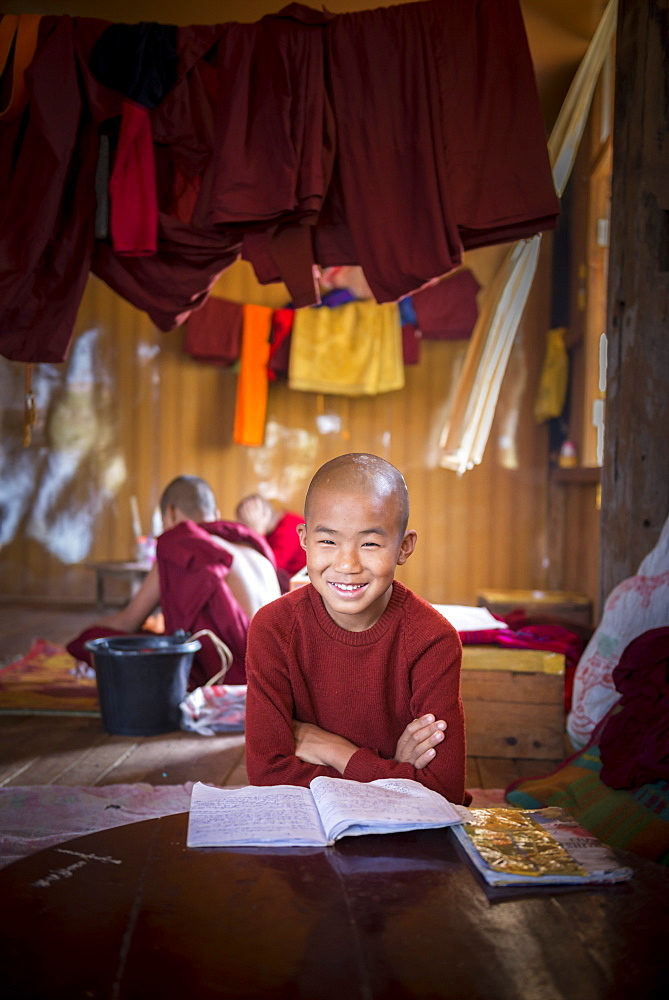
(223, 651)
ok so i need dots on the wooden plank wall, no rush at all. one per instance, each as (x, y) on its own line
(130, 410)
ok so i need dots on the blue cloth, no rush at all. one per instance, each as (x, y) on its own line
(336, 297)
(407, 311)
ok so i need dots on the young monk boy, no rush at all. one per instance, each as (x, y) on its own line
(209, 574)
(353, 675)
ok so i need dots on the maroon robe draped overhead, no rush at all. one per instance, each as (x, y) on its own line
(392, 138)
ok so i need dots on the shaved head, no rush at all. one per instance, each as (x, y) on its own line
(360, 472)
(192, 496)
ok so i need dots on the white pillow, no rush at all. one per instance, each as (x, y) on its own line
(636, 605)
(468, 619)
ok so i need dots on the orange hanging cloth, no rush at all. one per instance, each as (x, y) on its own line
(251, 403)
(18, 41)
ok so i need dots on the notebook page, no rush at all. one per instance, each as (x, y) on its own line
(382, 806)
(278, 814)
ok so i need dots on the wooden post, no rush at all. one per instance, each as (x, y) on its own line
(635, 475)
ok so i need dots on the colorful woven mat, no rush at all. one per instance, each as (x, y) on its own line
(635, 819)
(47, 679)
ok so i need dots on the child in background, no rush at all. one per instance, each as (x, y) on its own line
(353, 675)
(280, 530)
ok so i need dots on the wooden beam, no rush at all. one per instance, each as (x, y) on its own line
(635, 475)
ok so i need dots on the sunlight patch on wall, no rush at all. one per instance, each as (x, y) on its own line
(17, 485)
(55, 491)
(114, 475)
(328, 423)
(298, 450)
(147, 351)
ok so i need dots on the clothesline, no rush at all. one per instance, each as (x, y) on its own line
(286, 141)
(345, 346)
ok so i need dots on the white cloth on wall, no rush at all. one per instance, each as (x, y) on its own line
(465, 435)
(464, 438)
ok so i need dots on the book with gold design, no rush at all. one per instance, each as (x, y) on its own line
(536, 846)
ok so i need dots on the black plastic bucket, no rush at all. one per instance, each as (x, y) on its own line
(142, 679)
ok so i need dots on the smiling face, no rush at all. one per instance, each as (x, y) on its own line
(354, 539)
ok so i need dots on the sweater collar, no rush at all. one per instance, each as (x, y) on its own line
(367, 636)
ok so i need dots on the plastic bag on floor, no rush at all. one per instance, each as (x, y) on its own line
(215, 708)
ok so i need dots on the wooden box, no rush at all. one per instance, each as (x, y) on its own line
(554, 603)
(514, 702)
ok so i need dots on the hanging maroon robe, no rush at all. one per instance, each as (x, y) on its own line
(47, 203)
(392, 139)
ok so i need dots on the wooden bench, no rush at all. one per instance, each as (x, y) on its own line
(514, 702)
(131, 571)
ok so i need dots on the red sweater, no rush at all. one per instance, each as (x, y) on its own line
(365, 686)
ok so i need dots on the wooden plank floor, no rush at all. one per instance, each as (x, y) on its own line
(68, 750)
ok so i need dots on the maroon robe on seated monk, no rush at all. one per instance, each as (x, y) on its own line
(194, 594)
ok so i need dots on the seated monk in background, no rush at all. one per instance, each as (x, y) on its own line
(208, 574)
(280, 530)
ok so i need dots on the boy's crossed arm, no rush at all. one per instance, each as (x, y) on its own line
(416, 746)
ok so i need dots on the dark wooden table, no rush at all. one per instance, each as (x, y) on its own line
(132, 913)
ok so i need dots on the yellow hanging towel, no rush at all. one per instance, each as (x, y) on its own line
(552, 390)
(351, 350)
